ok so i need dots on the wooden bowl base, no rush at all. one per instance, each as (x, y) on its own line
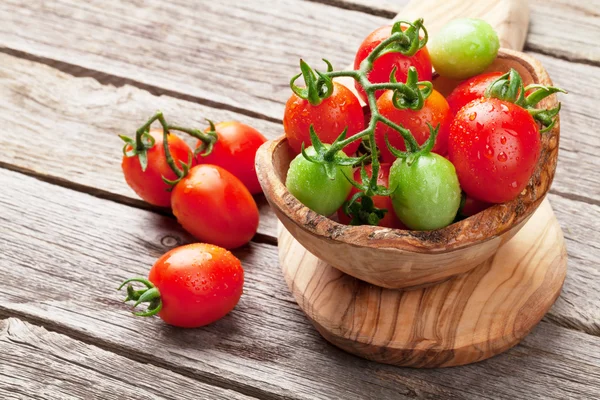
(463, 320)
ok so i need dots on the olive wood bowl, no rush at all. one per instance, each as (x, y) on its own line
(394, 258)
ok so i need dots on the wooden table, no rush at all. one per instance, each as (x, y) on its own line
(74, 74)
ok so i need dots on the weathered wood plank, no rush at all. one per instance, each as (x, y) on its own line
(558, 28)
(37, 364)
(265, 347)
(65, 129)
(216, 50)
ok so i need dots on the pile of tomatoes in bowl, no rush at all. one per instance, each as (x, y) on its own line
(414, 158)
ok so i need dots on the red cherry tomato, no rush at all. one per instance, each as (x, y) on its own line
(472, 206)
(471, 89)
(342, 109)
(215, 207)
(198, 284)
(235, 151)
(149, 184)
(435, 111)
(494, 146)
(382, 67)
(390, 220)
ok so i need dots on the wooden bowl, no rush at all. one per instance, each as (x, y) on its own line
(393, 258)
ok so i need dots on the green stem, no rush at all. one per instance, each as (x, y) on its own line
(168, 156)
(144, 129)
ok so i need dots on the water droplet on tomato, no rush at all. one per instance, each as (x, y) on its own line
(489, 152)
(504, 107)
(514, 184)
(502, 157)
(503, 139)
(472, 116)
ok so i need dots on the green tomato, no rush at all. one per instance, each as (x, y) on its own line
(427, 192)
(309, 183)
(463, 48)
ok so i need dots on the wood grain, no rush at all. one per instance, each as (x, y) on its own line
(266, 347)
(466, 319)
(37, 364)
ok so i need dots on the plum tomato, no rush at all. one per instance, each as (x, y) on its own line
(215, 206)
(191, 286)
(339, 111)
(426, 193)
(390, 220)
(149, 184)
(495, 146)
(235, 151)
(309, 183)
(435, 111)
(383, 65)
(463, 48)
(471, 89)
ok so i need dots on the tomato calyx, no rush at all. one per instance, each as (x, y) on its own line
(408, 40)
(364, 212)
(509, 87)
(318, 88)
(327, 158)
(412, 94)
(150, 295)
(412, 155)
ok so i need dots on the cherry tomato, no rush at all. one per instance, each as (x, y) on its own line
(435, 111)
(215, 206)
(463, 48)
(198, 284)
(148, 184)
(472, 206)
(235, 151)
(495, 146)
(427, 194)
(471, 89)
(382, 67)
(309, 183)
(390, 220)
(342, 109)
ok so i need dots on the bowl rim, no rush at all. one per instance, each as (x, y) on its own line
(481, 227)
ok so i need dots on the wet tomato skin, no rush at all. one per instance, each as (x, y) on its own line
(390, 220)
(149, 184)
(214, 206)
(342, 109)
(235, 151)
(471, 89)
(383, 66)
(198, 283)
(435, 111)
(495, 146)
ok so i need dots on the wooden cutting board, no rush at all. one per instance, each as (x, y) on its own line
(466, 319)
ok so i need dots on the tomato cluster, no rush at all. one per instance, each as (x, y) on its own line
(425, 160)
(209, 190)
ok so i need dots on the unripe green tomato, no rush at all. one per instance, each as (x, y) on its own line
(309, 183)
(463, 48)
(427, 194)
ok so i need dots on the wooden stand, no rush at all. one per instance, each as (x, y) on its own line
(463, 320)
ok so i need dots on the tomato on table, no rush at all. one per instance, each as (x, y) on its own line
(191, 286)
(215, 206)
(383, 65)
(495, 146)
(435, 111)
(329, 119)
(149, 184)
(235, 151)
(390, 220)
(471, 89)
